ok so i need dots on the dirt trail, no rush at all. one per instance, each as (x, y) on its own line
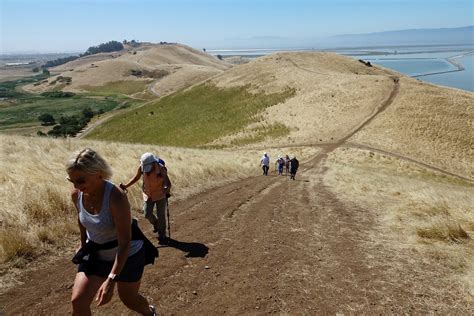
(267, 245)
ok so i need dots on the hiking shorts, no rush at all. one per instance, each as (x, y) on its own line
(131, 272)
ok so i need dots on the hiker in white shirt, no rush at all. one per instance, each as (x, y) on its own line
(265, 163)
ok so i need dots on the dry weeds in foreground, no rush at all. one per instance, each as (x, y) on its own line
(420, 211)
(36, 211)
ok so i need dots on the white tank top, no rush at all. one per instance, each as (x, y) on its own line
(100, 228)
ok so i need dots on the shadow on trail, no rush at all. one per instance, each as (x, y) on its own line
(192, 249)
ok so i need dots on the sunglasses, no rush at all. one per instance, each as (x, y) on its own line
(78, 181)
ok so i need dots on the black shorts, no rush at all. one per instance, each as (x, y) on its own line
(131, 272)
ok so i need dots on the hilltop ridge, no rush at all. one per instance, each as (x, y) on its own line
(148, 62)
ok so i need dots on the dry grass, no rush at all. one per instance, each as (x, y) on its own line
(119, 87)
(333, 93)
(428, 123)
(417, 210)
(36, 210)
(183, 76)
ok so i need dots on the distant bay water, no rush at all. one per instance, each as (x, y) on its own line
(451, 66)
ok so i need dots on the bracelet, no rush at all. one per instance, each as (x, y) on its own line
(113, 276)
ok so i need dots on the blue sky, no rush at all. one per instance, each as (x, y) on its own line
(74, 25)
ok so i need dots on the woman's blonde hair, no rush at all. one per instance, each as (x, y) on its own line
(89, 161)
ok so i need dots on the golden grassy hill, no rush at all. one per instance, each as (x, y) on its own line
(165, 61)
(333, 93)
(428, 123)
(326, 96)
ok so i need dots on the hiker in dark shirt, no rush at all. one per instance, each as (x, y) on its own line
(287, 164)
(294, 164)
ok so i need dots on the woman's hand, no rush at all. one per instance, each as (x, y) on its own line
(105, 292)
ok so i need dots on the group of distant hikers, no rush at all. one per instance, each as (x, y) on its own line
(290, 165)
(114, 251)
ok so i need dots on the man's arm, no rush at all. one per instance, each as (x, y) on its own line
(133, 180)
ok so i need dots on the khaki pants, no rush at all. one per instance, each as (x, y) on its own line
(158, 221)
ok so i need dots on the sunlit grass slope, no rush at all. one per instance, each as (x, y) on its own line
(190, 118)
(118, 87)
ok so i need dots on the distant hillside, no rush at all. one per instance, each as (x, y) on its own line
(459, 35)
(286, 99)
(175, 65)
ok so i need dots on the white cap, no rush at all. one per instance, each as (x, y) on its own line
(146, 161)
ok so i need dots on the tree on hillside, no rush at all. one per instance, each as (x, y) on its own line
(46, 119)
(87, 113)
(59, 61)
(112, 46)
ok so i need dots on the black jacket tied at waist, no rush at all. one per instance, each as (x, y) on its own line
(151, 252)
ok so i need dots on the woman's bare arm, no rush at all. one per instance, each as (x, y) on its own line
(82, 229)
(120, 211)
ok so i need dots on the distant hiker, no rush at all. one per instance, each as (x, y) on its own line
(265, 163)
(287, 164)
(281, 164)
(156, 189)
(111, 253)
(294, 164)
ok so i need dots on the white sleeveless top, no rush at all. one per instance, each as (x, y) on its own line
(100, 228)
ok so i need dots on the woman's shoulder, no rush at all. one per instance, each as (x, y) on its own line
(75, 197)
(117, 195)
(75, 194)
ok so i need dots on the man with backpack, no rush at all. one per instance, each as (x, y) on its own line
(294, 164)
(156, 190)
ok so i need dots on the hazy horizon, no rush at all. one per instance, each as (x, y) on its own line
(72, 25)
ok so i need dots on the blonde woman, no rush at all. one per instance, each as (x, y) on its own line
(104, 219)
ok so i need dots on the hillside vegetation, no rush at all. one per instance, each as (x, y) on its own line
(330, 95)
(195, 117)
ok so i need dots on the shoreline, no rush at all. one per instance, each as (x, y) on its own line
(450, 60)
